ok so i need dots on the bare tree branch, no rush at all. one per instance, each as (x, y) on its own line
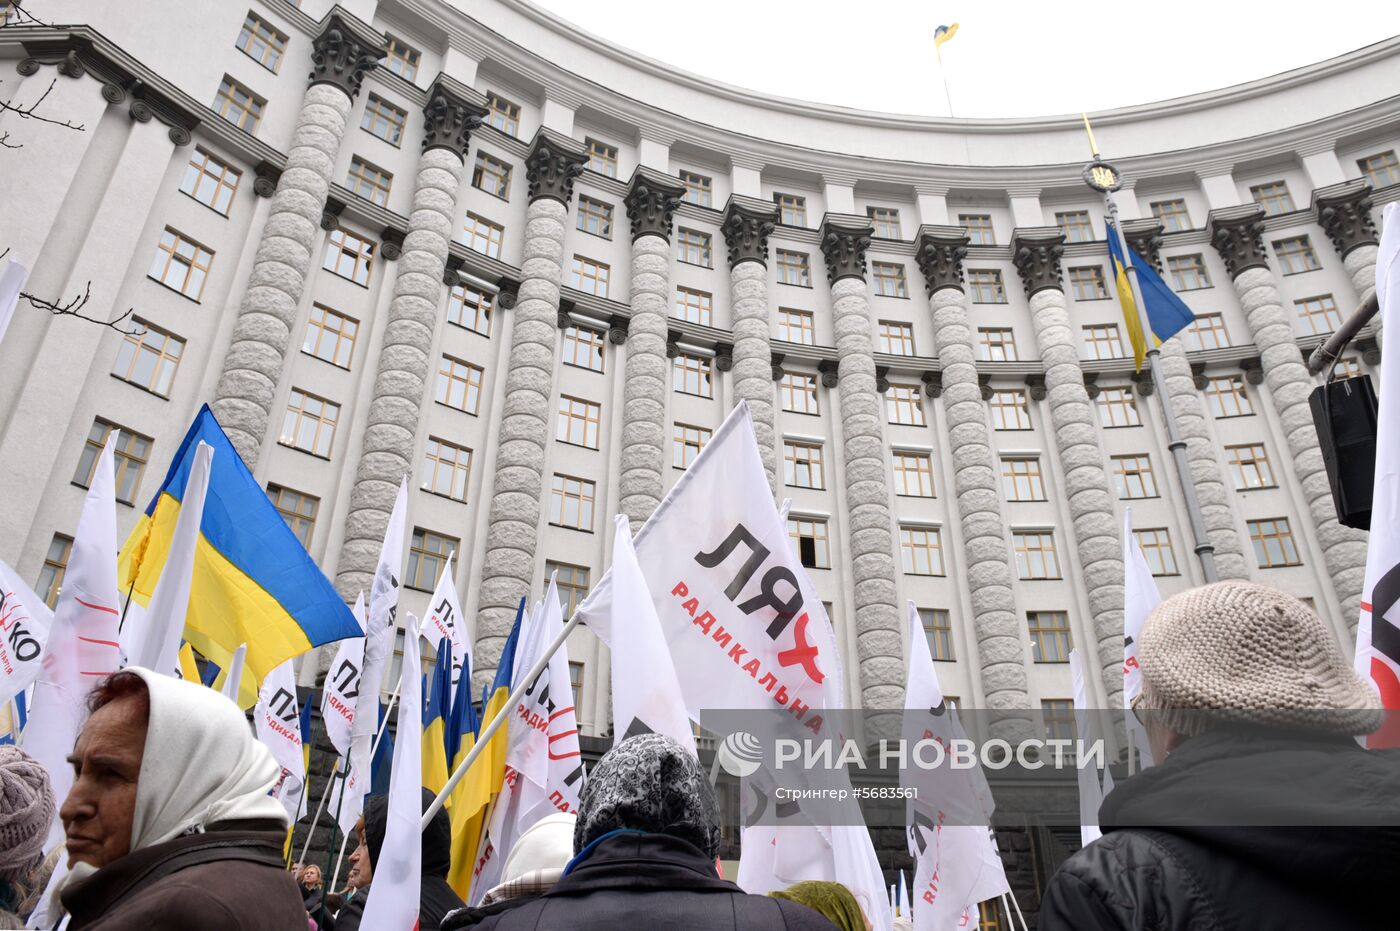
(73, 307)
(29, 111)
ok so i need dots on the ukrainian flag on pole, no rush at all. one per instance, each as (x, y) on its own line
(1167, 314)
(253, 582)
(435, 717)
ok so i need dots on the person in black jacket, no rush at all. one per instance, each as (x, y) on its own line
(645, 846)
(1264, 812)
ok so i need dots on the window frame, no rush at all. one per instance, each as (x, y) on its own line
(1286, 253)
(1044, 555)
(226, 101)
(597, 340)
(274, 42)
(458, 308)
(1142, 473)
(363, 175)
(338, 336)
(137, 339)
(807, 327)
(421, 558)
(789, 389)
(922, 470)
(458, 467)
(928, 540)
(448, 366)
(603, 153)
(1279, 529)
(380, 109)
(1042, 633)
(897, 400)
(791, 263)
(561, 493)
(1013, 479)
(296, 416)
(695, 247)
(191, 264)
(224, 192)
(592, 209)
(1179, 267)
(295, 519)
(129, 463)
(814, 462)
(1113, 400)
(587, 415)
(890, 279)
(337, 246)
(978, 286)
(476, 228)
(702, 369)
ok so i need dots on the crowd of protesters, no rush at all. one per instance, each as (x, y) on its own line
(1250, 705)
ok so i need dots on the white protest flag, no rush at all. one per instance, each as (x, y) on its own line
(233, 675)
(278, 726)
(1140, 598)
(646, 691)
(1090, 785)
(24, 629)
(82, 646)
(393, 902)
(445, 620)
(342, 686)
(1378, 627)
(11, 281)
(151, 637)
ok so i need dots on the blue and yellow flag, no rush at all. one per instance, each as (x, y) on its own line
(1167, 314)
(943, 34)
(435, 717)
(253, 582)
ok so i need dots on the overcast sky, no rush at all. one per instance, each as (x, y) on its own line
(1009, 58)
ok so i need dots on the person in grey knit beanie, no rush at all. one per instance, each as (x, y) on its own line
(26, 810)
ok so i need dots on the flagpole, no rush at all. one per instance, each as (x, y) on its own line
(325, 795)
(383, 728)
(938, 53)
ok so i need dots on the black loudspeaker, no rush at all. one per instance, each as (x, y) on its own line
(1344, 413)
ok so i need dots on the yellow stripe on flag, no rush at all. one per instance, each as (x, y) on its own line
(472, 798)
(188, 668)
(1131, 318)
(434, 757)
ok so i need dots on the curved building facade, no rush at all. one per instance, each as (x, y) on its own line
(534, 271)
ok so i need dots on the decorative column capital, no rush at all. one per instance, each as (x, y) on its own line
(449, 118)
(1037, 252)
(984, 385)
(451, 270)
(1344, 212)
(391, 243)
(343, 52)
(652, 199)
(1145, 238)
(1091, 384)
(776, 360)
(724, 357)
(844, 239)
(1142, 384)
(1237, 234)
(940, 253)
(552, 165)
(617, 329)
(1253, 369)
(830, 371)
(1036, 383)
(267, 175)
(933, 384)
(748, 222)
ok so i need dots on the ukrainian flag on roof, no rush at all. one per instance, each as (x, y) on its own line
(1166, 313)
(253, 581)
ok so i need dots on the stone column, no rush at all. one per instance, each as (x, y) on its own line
(343, 52)
(1094, 531)
(976, 479)
(526, 414)
(748, 222)
(1236, 233)
(1344, 212)
(1202, 454)
(879, 620)
(387, 452)
(651, 201)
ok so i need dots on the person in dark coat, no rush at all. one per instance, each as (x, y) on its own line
(1264, 811)
(436, 897)
(645, 843)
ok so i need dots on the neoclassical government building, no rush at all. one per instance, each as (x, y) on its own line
(532, 271)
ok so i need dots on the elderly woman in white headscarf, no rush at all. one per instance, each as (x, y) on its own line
(169, 823)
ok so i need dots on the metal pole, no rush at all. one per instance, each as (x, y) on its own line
(1012, 896)
(326, 794)
(1336, 344)
(383, 727)
(1205, 550)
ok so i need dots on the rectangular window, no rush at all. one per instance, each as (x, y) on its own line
(309, 424)
(148, 358)
(1050, 641)
(938, 628)
(1319, 314)
(902, 405)
(889, 279)
(1075, 225)
(590, 276)
(595, 216)
(996, 344)
(1088, 283)
(1058, 715)
(922, 550)
(1207, 331)
(131, 453)
(262, 42)
(583, 347)
(688, 443)
(979, 228)
(602, 158)
(384, 120)
(572, 582)
(470, 307)
(1273, 197)
(239, 105)
(694, 306)
(1117, 408)
(1226, 397)
(571, 502)
(503, 114)
(1380, 169)
(1156, 547)
(794, 268)
(1249, 466)
(1296, 255)
(913, 474)
(1348, 368)
(797, 326)
(699, 190)
(491, 175)
(1188, 272)
(481, 235)
(349, 256)
(895, 338)
(692, 375)
(369, 181)
(798, 392)
(802, 465)
(55, 565)
(694, 248)
(330, 336)
(578, 422)
(985, 286)
(427, 557)
(1102, 342)
(1273, 543)
(792, 209)
(886, 222)
(210, 181)
(298, 509)
(402, 59)
(1010, 410)
(575, 678)
(1021, 479)
(459, 385)
(1132, 477)
(1173, 215)
(1035, 554)
(181, 264)
(446, 469)
(809, 539)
